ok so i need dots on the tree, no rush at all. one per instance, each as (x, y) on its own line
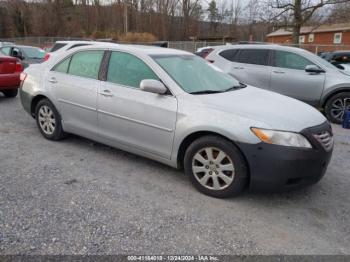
(213, 14)
(297, 13)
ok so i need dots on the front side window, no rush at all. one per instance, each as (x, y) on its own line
(128, 70)
(254, 56)
(290, 60)
(193, 74)
(86, 64)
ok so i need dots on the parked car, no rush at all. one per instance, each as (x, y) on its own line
(337, 57)
(5, 43)
(289, 71)
(10, 70)
(345, 67)
(63, 46)
(28, 54)
(173, 107)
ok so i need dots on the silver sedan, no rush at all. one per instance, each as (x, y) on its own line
(175, 108)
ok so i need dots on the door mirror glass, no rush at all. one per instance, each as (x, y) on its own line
(313, 69)
(153, 86)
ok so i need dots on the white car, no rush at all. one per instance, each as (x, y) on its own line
(63, 46)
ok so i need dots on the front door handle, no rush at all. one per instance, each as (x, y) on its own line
(279, 72)
(53, 80)
(238, 67)
(106, 93)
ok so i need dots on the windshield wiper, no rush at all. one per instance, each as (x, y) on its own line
(241, 85)
(202, 92)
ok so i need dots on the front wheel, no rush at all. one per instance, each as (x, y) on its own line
(216, 167)
(49, 120)
(10, 93)
(336, 107)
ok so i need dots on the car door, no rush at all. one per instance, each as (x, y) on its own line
(74, 84)
(288, 77)
(132, 117)
(251, 66)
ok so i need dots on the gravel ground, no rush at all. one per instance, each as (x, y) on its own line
(81, 197)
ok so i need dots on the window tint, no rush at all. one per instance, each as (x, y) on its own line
(342, 58)
(86, 64)
(128, 70)
(253, 56)
(6, 50)
(57, 47)
(63, 66)
(229, 54)
(290, 60)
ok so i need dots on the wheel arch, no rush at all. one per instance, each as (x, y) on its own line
(35, 101)
(189, 139)
(333, 93)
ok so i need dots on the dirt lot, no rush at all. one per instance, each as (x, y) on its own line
(77, 196)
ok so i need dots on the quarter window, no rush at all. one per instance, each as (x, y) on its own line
(289, 60)
(253, 56)
(86, 64)
(63, 66)
(128, 70)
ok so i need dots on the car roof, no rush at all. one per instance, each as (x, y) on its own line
(144, 49)
(74, 42)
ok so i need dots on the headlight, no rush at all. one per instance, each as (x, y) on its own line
(281, 138)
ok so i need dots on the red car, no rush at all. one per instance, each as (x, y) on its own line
(10, 70)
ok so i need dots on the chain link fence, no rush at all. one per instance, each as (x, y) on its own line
(190, 46)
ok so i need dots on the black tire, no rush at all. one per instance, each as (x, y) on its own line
(330, 109)
(10, 93)
(58, 132)
(240, 175)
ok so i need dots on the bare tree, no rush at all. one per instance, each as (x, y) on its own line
(297, 13)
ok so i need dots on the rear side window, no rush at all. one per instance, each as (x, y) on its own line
(63, 66)
(57, 47)
(253, 56)
(6, 50)
(290, 60)
(86, 64)
(128, 70)
(230, 54)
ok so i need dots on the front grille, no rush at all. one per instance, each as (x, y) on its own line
(325, 138)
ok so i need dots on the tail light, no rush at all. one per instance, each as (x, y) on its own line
(19, 67)
(22, 77)
(46, 57)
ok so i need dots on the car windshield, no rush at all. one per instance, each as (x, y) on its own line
(34, 53)
(195, 75)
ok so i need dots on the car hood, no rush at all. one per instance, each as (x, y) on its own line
(274, 110)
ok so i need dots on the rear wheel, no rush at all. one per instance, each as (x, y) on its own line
(10, 93)
(336, 107)
(216, 167)
(49, 120)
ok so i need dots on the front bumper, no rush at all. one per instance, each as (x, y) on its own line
(276, 168)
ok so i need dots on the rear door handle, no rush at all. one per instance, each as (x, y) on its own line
(279, 72)
(238, 67)
(106, 93)
(53, 80)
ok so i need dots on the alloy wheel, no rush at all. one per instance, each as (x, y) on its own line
(47, 120)
(213, 168)
(339, 106)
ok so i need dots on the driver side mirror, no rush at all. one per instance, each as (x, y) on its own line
(313, 69)
(153, 86)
